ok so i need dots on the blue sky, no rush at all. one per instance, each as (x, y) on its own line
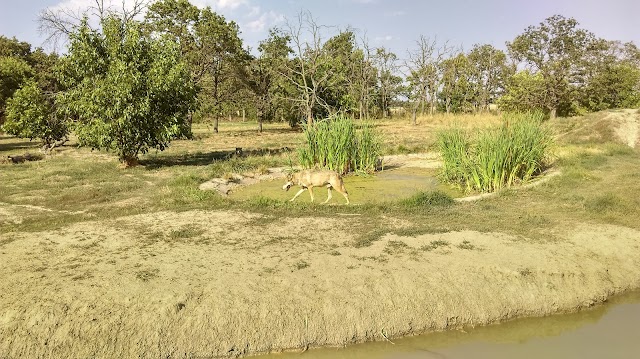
(395, 24)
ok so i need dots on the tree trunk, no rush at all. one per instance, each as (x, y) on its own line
(215, 124)
(384, 107)
(552, 114)
(129, 161)
(413, 117)
(243, 115)
(260, 115)
(309, 117)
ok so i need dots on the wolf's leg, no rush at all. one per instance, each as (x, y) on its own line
(311, 193)
(342, 190)
(329, 195)
(297, 194)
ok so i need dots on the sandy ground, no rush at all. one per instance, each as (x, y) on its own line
(237, 283)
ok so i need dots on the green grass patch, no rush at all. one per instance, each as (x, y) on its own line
(605, 203)
(186, 232)
(434, 245)
(427, 200)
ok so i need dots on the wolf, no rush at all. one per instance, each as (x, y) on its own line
(307, 179)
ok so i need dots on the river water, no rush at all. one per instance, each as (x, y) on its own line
(609, 331)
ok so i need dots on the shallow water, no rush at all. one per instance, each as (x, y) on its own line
(388, 185)
(609, 331)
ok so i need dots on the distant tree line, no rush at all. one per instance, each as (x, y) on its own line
(132, 85)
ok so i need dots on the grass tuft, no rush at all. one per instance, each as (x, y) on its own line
(428, 199)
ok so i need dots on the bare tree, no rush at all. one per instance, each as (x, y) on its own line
(58, 24)
(363, 77)
(425, 73)
(304, 72)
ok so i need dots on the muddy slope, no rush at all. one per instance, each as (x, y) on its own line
(237, 283)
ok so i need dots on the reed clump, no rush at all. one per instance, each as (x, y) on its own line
(338, 144)
(496, 158)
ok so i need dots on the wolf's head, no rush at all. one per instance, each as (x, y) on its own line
(289, 182)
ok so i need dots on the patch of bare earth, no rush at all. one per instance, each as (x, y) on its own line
(224, 186)
(627, 126)
(224, 284)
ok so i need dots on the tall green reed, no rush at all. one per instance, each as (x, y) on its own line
(496, 158)
(337, 144)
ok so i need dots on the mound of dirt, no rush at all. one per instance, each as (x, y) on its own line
(615, 125)
(627, 126)
(224, 284)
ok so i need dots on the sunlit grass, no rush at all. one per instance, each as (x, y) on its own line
(598, 184)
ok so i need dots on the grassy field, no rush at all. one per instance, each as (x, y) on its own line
(598, 182)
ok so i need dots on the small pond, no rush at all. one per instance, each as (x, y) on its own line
(387, 185)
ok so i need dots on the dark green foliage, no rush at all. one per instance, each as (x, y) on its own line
(32, 115)
(14, 72)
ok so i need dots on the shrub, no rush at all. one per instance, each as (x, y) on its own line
(32, 115)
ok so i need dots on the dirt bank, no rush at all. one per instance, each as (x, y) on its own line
(223, 284)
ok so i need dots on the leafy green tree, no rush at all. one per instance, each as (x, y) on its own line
(31, 114)
(457, 91)
(14, 48)
(389, 83)
(129, 91)
(363, 79)
(221, 52)
(525, 91)
(212, 48)
(14, 72)
(612, 77)
(44, 65)
(177, 18)
(425, 73)
(489, 74)
(264, 75)
(339, 92)
(19, 65)
(555, 49)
